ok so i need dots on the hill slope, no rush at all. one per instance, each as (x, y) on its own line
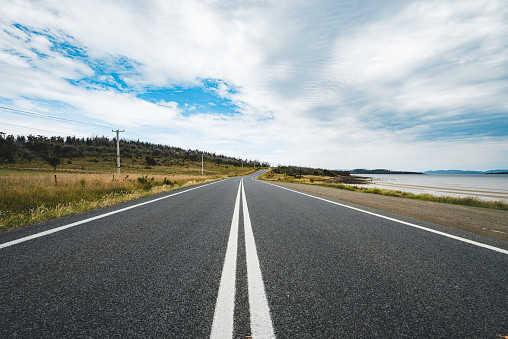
(99, 154)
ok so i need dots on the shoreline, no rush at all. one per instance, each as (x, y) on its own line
(484, 221)
(454, 185)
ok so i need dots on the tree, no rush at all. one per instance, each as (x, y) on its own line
(53, 160)
(150, 161)
(7, 148)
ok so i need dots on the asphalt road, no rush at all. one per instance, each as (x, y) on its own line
(237, 258)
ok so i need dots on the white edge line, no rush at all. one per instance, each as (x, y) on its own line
(500, 250)
(61, 228)
(223, 318)
(260, 320)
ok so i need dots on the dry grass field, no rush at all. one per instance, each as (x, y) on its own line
(47, 177)
(33, 196)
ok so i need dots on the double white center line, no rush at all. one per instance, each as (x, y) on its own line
(223, 320)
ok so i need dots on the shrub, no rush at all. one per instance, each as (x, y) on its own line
(82, 182)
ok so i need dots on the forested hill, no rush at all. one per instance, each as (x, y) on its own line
(297, 171)
(57, 150)
(381, 171)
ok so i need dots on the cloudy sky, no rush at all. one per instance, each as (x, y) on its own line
(404, 85)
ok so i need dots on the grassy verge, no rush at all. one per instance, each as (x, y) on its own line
(30, 197)
(108, 165)
(320, 181)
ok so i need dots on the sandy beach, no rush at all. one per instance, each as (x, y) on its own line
(489, 222)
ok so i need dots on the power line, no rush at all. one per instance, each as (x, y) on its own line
(134, 134)
(48, 131)
(31, 128)
(45, 116)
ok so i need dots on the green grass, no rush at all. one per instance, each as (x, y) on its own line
(108, 165)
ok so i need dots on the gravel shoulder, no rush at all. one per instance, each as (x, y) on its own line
(489, 222)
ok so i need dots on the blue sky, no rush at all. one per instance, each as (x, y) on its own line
(405, 85)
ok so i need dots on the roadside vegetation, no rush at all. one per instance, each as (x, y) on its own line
(43, 178)
(346, 181)
(38, 196)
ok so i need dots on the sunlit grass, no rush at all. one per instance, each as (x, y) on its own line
(30, 198)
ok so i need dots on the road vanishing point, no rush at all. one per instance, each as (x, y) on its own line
(243, 258)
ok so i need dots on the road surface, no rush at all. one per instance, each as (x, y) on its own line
(240, 258)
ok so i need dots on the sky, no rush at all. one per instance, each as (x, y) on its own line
(402, 85)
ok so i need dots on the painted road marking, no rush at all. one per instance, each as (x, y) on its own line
(500, 250)
(222, 326)
(260, 321)
(223, 319)
(61, 228)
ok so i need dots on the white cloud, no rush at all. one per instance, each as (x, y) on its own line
(318, 84)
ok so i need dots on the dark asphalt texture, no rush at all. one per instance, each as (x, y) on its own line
(329, 272)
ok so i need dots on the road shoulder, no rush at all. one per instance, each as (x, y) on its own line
(488, 222)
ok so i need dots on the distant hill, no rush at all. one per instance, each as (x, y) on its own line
(465, 172)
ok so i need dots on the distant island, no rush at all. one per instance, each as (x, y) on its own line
(498, 171)
(380, 171)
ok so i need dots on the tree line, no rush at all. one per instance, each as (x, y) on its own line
(297, 172)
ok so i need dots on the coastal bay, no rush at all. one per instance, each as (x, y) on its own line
(481, 186)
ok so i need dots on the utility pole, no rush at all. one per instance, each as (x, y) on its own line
(118, 148)
(202, 164)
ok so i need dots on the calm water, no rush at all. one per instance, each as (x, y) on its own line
(483, 186)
